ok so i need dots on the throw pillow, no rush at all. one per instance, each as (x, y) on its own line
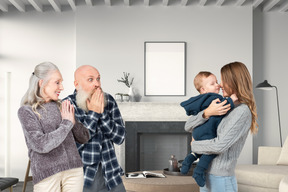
(283, 159)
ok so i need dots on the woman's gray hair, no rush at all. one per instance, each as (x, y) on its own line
(34, 94)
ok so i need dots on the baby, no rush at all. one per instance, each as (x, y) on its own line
(206, 84)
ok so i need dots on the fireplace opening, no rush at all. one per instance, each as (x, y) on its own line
(149, 145)
(156, 149)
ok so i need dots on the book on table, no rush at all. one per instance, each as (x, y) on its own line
(144, 174)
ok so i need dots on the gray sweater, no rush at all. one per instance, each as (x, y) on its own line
(51, 140)
(231, 136)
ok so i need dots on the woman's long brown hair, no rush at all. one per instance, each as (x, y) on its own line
(237, 77)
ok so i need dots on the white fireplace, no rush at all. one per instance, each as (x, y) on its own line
(147, 122)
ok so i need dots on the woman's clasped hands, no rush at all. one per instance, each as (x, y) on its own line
(67, 111)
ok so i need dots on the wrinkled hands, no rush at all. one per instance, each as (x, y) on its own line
(96, 103)
(67, 111)
(216, 108)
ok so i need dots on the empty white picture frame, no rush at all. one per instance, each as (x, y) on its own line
(165, 64)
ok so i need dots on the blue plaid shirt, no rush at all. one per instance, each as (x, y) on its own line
(105, 130)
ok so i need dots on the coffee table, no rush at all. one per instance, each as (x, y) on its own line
(169, 184)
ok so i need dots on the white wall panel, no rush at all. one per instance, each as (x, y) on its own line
(27, 40)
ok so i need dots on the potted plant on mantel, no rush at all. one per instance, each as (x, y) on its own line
(128, 83)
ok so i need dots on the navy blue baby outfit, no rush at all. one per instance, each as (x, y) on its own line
(208, 130)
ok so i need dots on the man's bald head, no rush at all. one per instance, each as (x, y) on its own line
(80, 71)
(87, 77)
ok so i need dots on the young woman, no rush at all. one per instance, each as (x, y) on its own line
(50, 132)
(232, 130)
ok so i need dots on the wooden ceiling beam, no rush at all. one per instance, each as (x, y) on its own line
(202, 2)
(108, 2)
(220, 2)
(256, 3)
(270, 5)
(127, 2)
(18, 4)
(147, 2)
(37, 5)
(89, 2)
(56, 5)
(3, 6)
(184, 2)
(72, 4)
(240, 2)
(165, 2)
(284, 8)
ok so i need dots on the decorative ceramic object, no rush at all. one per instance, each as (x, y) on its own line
(119, 97)
(126, 98)
(131, 94)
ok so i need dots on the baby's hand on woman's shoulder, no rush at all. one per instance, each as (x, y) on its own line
(234, 97)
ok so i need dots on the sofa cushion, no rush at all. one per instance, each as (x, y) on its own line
(268, 155)
(283, 159)
(249, 188)
(283, 187)
(268, 176)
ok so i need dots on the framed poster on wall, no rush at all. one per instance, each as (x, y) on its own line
(165, 65)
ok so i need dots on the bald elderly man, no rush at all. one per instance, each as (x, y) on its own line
(99, 113)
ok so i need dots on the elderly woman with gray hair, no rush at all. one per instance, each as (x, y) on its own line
(50, 132)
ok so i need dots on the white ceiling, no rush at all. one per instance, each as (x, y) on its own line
(279, 6)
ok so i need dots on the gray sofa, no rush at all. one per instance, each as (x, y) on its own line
(266, 176)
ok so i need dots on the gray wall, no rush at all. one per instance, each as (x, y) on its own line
(27, 39)
(112, 39)
(270, 45)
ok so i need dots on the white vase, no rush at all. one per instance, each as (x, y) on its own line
(131, 94)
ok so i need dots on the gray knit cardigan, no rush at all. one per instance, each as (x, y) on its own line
(51, 140)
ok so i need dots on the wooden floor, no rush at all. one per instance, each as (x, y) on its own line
(18, 187)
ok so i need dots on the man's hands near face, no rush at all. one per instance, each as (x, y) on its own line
(96, 103)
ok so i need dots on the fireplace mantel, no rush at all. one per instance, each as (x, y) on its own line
(150, 111)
